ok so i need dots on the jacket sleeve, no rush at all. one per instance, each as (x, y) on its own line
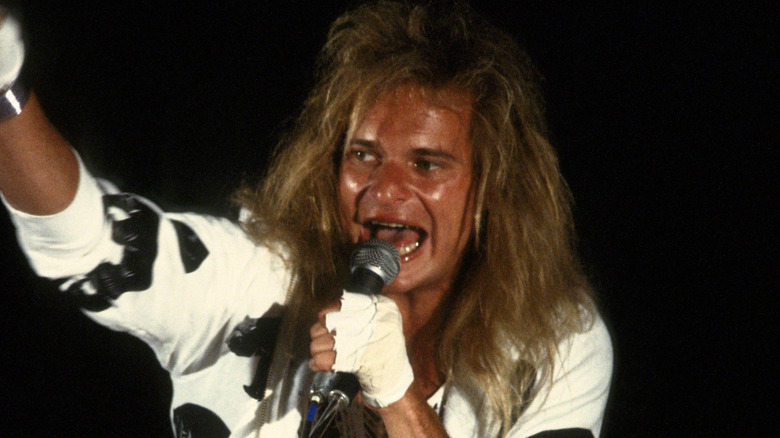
(180, 282)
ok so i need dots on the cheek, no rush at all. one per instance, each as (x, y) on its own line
(349, 185)
(441, 191)
(348, 188)
(454, 194)
(455, 205)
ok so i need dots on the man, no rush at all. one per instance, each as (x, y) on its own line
(425, 131)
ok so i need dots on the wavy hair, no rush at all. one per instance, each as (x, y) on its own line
(521, 289)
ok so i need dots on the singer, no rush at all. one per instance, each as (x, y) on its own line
(425, 131)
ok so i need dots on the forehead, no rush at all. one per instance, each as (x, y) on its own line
(415, 110)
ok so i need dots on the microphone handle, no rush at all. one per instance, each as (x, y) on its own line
(345, 389)
(365, 281)
(346, 386)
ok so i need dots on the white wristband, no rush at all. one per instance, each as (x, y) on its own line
(13, 93)
(353, 329)
(11, 50)
(370, 343)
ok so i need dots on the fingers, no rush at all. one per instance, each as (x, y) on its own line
(323, 361)
(332, 307)
(321, 348)
(322, 340)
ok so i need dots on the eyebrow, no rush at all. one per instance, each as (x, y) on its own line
(421, 151)
(361, 142)
(433, 153)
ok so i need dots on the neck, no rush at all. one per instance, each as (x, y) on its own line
(423, 317)
(421, 312)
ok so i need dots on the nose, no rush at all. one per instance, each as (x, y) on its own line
(390, 183)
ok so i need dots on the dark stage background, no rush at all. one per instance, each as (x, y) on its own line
(665, 117)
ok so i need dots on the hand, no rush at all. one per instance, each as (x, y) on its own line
(365, 337)
(323, 357)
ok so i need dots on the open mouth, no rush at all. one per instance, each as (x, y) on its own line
(404, 237)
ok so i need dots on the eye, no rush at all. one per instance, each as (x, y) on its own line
(360, 155)
(426, 165)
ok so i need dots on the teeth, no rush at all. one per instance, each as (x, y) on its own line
(387, 225)
(406, 250)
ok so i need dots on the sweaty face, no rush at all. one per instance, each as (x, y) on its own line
(406, 177)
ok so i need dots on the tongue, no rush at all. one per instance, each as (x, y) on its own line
(398, 237)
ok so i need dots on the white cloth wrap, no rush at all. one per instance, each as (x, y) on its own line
(370, 343)
(11, 50)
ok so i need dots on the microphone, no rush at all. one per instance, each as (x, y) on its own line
(373, 264)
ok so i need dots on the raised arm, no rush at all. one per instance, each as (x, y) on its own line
(38, 170)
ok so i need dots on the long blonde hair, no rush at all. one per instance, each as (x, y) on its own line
(521, 289)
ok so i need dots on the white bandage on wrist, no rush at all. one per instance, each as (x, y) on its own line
(13, 93)
(11, 50)
(353, 328)
(370, 343)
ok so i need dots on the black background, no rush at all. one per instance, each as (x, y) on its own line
(664, 116)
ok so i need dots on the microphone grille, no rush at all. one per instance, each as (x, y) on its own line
(379, 256)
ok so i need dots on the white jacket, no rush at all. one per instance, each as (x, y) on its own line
(184, 282)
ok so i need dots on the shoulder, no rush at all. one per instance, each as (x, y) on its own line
(584, 365)
(592, 347)
(576, 394)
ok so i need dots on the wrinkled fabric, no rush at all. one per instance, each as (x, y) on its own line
(370, 343)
